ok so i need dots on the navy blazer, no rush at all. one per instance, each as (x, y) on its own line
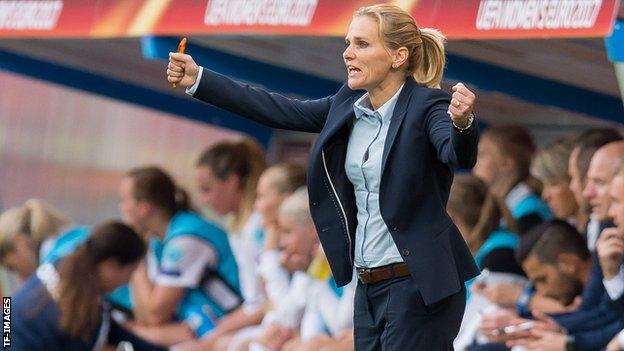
(421, 152)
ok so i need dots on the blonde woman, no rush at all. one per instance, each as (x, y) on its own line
(379, 174)
(550, 167)
(35, 233)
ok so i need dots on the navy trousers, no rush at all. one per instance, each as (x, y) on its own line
(391, 315)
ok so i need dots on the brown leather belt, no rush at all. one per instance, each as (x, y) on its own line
(376, 275)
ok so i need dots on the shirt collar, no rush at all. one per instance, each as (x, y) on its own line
(363, 106)
(516, 195)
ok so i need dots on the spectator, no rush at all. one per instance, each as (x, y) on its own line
(60, 309)
(478, 215)
(550, 167)
(190, 273)
(35, 233)
(299, 241)
(503, 163)
(610, 250)
(586, 145)
(275, 185)
(227, 176)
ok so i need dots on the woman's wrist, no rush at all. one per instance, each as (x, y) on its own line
(464, 123)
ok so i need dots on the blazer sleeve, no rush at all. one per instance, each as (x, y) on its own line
(580, 321)
(598, 338)
(271, 109)
(458, 149)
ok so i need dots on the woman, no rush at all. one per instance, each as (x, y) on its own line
(276, 184)
(190, 274)
(550, 167)
(505, 154)
(62, 307)
(35, 233)
(478, 215)
(379, 174)
(227, 176)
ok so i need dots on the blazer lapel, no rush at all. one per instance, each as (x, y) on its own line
(337, 119)
(400, 110)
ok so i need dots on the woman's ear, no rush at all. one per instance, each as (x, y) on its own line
(399, 57)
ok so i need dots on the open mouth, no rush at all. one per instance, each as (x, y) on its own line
(353, 70)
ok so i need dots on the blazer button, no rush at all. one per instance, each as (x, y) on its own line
(393, 227)
(406, 252)
(314, 203)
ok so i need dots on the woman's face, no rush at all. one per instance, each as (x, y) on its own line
(489, 161)
(268, 200)
(23, 258)
(132, 211)
(560, 199)
(222, 196)
(366, 57)
(112, 274)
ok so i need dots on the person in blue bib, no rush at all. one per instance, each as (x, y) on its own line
(189, 274)
(34, 233)
(61, 306)
(503, 163)
(478, 214)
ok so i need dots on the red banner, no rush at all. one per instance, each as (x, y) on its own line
(458, 19)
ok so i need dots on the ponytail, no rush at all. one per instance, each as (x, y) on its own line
(79, 294)
(397, 28)
(80, 290)
(154, 185)
(429, 59)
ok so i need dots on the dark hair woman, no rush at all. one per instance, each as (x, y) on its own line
(190, 273)
(63, 308)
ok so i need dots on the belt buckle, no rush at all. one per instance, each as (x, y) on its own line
(365, 275)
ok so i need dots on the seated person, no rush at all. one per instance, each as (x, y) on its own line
(299, 243)
(556, 259)
(328, 317)
(610, 249)
(503, 162)
(550, 167)
(189, 275)
(35, 233)
(60, 307)
(478, 215)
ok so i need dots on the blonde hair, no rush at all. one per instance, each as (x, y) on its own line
(35, 218)
(397, 28)
(297, 206)
(550, 165)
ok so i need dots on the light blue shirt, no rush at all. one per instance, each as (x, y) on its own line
(374, 246)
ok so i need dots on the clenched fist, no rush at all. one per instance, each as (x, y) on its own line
(462, 103)
(182, 69)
